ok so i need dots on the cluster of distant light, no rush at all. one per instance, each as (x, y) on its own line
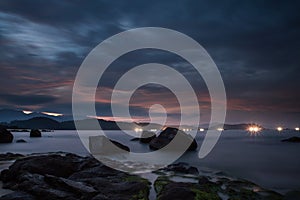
(254, 129)
(138, 130)
(27, 112)
(279, 128)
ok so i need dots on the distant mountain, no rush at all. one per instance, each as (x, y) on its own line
(9, 115)
(37, 122)
(86, 124)
(18, 119)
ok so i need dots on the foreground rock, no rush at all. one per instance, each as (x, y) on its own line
(70, 177)
(167, 135)
(292, 139)
(10, 156)
(180, 168)
(35, 133)
(206, 187)
(5, 136)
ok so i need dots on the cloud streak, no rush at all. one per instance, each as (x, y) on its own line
(255, 47)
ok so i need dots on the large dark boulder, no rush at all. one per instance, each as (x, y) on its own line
(57, 165)
(18, 196)
(167, 135)
(121, 146)
(147, 136)
(5, 136)
(35, 133)
(71, 177)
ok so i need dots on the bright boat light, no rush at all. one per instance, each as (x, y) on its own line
(297, 128)
(138, 130)
(279, 128)
(254, 129)
(201, 129)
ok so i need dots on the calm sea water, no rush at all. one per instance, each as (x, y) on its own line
(263, 159)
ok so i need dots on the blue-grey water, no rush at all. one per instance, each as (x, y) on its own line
(262, 159)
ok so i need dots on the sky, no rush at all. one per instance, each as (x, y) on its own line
(255, 44)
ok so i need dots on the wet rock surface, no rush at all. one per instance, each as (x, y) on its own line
(10, 156)
(69, 177)
(180, 184)
(179, 168)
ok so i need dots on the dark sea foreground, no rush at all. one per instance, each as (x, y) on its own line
(268, 163)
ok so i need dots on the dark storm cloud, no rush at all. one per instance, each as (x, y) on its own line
(27, 99)
(255, 44)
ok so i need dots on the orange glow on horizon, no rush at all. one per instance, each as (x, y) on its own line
(27, 112)
(52, 114)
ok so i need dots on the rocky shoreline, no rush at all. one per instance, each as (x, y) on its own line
(69, 176)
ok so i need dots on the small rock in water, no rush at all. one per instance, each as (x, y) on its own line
(21, 141)
(292, 139)
(35, 133)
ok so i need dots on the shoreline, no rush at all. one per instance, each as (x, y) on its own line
(213, 177)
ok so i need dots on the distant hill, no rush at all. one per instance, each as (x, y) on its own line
(15, 119)
(36, 122)
(86, 124)
(9, 115)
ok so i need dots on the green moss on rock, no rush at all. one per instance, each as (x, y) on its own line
(201, 195)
